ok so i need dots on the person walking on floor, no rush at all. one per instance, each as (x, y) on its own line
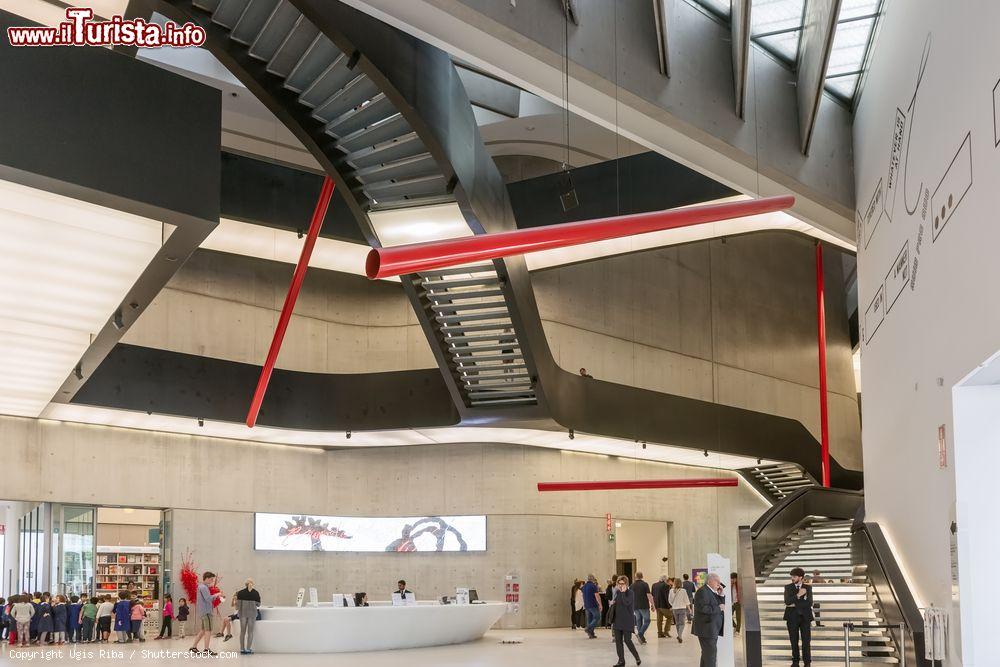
(799, 615)
(247, 603)
(709, 618)
(623, 621)
(572, 604)
(680, 607)
(643, 603)
(661, 600)
(203, 610)
(689, 586)
(609, 595)
(592, 604)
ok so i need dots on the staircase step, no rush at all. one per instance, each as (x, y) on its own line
(369, 153)
(409, 201)
(445, 285)
(293, 47)
(467, 361)
(458, 270)
(317, 57)
(252, 21)
(331, 79)
(496, 370)
(463, 307)
(276, 29)
(228, 12)
(373, 111)
(420, 186)
(416, 165)
(351, 94)
(451, 297)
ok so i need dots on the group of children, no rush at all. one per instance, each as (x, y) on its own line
(43, 619)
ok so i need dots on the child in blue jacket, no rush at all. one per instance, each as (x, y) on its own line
(123, 618)
(73, 622)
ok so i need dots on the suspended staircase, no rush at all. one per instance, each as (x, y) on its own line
(823, 545)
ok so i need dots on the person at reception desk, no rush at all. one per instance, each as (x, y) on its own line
(361, 599)
(401, 589)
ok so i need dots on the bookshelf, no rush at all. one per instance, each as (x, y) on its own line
(116, 566)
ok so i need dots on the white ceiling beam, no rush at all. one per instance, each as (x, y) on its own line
(660, 17)
(818, 30)
(740, 26)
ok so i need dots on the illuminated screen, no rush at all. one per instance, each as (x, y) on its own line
(301, 532)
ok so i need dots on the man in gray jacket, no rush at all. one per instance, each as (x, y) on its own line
(709, 618)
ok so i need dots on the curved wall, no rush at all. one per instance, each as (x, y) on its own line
(731, 321)
(226, 306)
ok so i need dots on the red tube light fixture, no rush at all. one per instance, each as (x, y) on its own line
(427, 255)
(824, 413)
(319, 213)
(631, 484)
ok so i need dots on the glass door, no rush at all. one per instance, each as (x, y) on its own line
(77, 532)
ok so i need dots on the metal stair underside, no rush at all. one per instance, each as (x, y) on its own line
(823, 545)
(386, 166)
(469, 310)
(381, 156)
(779, 480)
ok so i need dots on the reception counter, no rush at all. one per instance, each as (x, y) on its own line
(329, 629)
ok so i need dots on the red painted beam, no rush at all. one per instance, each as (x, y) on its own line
(611, 485)
(424, 256)
(293, 293)
(824, 415)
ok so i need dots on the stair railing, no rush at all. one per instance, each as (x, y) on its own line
(899, 608)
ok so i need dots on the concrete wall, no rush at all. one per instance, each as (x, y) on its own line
(226, 306)
(938, 320)
(731, 322)
(215, 485)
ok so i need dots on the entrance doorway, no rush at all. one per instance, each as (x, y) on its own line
(642, 546)
(626, 568)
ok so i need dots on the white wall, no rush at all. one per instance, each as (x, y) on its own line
(647, 542)
(944, 321)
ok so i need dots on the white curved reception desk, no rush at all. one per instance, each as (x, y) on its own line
(329, 629)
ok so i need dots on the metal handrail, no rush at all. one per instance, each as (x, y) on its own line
(849, 627)
(752, 640)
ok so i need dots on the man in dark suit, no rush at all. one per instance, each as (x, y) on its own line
(799, 615)
(709, 618)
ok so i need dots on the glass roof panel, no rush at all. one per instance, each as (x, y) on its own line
(717, 7)
(843, 86)
(850, 9)
(849, 46)
(768, 16)
(776, 26)
(785, 45)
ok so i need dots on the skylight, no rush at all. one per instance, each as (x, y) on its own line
(776, 25)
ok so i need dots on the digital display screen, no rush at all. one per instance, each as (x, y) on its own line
(303, 532)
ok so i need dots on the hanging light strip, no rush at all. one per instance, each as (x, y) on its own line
(631, 484)
(428, 255)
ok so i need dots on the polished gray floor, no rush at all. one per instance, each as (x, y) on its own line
(537, 647)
